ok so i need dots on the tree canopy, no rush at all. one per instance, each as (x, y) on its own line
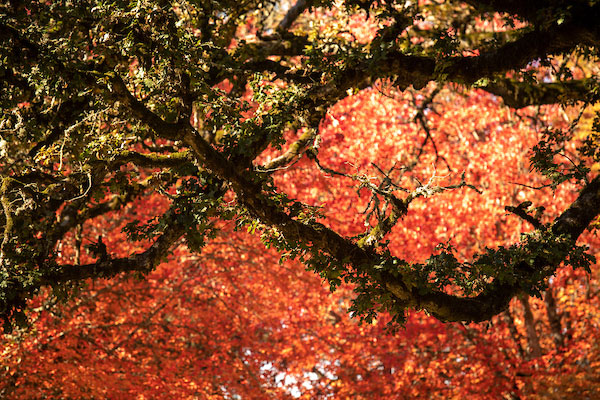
(431, 155)
(204, 103)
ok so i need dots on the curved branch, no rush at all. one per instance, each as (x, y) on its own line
(74, 215)
(419, 70)
(293, 14)
(16, 292)
(142, 262)
(520, 94)
(493, 300)
(529, 10)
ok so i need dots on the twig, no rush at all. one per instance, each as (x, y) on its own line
(521, 211)
(531, 187)
(87, 190)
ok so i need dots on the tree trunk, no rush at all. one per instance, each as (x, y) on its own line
(554, 319)
(533, 340)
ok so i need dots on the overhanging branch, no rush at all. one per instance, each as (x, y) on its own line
(492, 300)
(142, 262)
(17, 292)
(521, 94)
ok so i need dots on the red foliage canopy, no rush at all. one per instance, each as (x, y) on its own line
(233, 321)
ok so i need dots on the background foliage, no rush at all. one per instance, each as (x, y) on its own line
(209, 199)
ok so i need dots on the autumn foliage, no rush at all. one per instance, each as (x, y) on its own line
(233, 321)
(235, 306)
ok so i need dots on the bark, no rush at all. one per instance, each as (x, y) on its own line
(520, 94)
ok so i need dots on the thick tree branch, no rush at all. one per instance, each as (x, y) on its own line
(121, 93)
(151, 160)
(581, 213)
(495, 300)
(17, 292)
(290, 45)
(521, 94)
(293, 14)
(142, 262)
(419, 70)
(529, 10)
(490, 302)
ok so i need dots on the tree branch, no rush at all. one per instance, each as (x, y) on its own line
(525, 9)
(521, 94)
(141, 112)
(142, 262)
(16, 292)
(419, 70)
(295, 150)
(293, 14)
(493, 300)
